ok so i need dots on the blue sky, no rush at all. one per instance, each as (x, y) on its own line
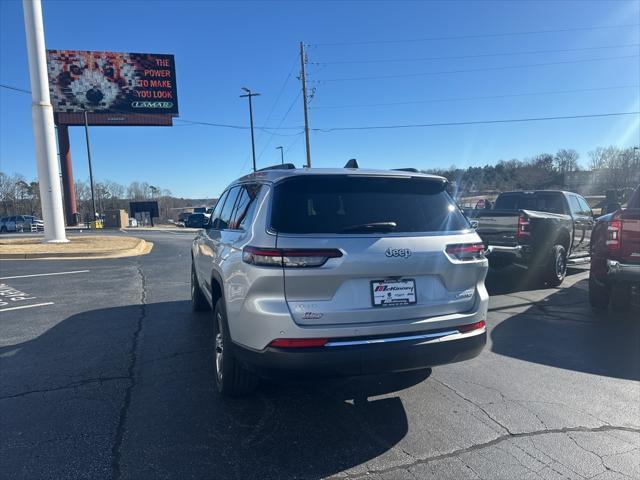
(220, 47)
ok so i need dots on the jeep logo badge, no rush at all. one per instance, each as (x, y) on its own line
(398, 252)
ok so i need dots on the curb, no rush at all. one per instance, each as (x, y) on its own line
(174, 230)
(140, 248)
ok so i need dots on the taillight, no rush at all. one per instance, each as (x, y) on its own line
(471, 327)
(523, 227)
(298, 342)
(614, 230)
(288, 257)
(466, 251)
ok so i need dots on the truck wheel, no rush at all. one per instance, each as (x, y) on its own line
(620, 296)
(198, 300)
(232, 379)
(556, 267)
(598, 294)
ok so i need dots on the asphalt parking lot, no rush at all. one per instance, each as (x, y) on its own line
(106, 373)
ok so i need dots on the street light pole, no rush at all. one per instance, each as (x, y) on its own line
(86, 134)
(250, 94)
(281, 154)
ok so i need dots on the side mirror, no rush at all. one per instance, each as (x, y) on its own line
(474, 224)
(611, 207)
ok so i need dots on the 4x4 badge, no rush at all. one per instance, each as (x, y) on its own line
(398, 252)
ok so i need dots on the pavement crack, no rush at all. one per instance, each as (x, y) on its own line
(133, 358)
(496, 441)
(475, 404)
(72, 385)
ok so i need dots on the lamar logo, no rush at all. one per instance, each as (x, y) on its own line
(398, 252)
(151, 104)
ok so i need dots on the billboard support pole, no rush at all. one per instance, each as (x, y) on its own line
(66, 168)
(93, 196)
(43, 125)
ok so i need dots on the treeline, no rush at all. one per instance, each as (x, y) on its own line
(19, 197)
(607, 168)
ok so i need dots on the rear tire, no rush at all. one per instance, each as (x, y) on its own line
(198, 300)
(556, 267)
(598, 294)
(232, 378)
(620, 297)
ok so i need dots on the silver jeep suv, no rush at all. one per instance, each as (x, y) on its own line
(338, 272)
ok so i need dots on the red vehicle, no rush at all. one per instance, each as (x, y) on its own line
(615, 257)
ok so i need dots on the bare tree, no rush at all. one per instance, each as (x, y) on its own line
(566, 160)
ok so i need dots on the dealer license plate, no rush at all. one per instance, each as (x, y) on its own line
(393, 293)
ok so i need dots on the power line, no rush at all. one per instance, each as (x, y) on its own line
(9, 87)
(275, 103)
(473, 122)
(195, 122)
(294, 142)
(483, 69)
(479, 35)
(482, 55)
(486, 97)
(295, 100)
(241, 127)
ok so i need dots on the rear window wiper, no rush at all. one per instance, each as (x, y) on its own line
(370, 227)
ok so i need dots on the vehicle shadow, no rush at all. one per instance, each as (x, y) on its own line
(563, 331)
(514, 279)
(142, 377)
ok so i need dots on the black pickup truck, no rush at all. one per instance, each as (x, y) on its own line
(538, 230)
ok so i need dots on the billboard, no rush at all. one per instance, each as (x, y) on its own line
(113, 88)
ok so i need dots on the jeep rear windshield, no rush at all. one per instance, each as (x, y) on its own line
(343, 203)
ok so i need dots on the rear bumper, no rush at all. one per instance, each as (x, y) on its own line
(349, 359)
(623, 272)
(495, 250)
(500, 255)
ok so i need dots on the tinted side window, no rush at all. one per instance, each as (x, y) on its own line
(225, 214)
(215, 216)
(584, 206)
(575, 206)
(245, 207)
(635, 199)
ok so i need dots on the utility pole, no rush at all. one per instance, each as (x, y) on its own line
(93, 198)
(250, 94)
(303, 79)
(281, 154)
(43, 125)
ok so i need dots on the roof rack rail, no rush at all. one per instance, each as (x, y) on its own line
(408, 169)
(279, 166)
(352, 163)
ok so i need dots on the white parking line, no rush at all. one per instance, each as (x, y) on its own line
(44, 274)
(26, 306)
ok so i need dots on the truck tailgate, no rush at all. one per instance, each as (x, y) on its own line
(630, 235)
(498, 227)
